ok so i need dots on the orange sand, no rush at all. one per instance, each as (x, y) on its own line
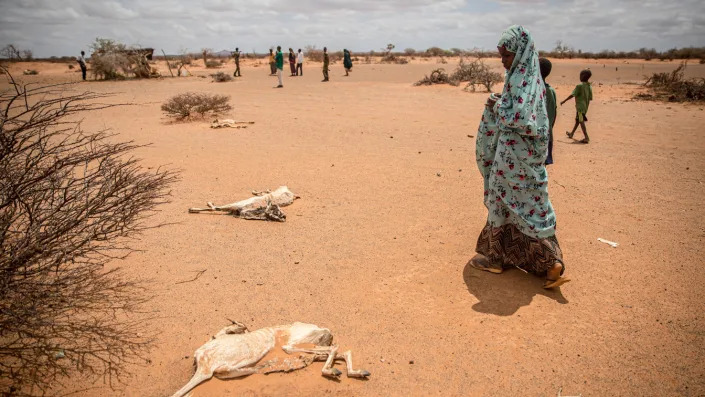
(382, 242)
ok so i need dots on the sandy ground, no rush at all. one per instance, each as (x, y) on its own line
(376, 249)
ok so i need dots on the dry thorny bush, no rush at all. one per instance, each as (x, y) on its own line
(674, 87)
(190, 104)
(70, 201)
(474, 73)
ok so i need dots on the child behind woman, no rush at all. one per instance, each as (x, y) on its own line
(545, 66)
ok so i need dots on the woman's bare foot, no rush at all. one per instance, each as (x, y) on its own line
(481, 262)
(554, 278)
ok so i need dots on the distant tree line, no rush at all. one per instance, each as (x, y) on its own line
(13, 53)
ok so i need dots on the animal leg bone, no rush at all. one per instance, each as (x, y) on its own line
(320, 351)
(231, 372)
(352, 373)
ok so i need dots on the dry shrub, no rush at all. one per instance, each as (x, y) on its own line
(190, 104)
(72, 66)
(212, 64)
(112, 60)
(438, 76)
(70, 203)
(221, 77)
(30, 72)
(392, 58)
(313, 54)
(674, 86)
(474, 73)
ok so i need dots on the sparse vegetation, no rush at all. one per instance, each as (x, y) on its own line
(30, 72)
(438, 76)
(190, 105)
(212, 64)
(221, 77)
(474, 73)
(390, 57)
(674, 87)
(69, 200)
(112, 60)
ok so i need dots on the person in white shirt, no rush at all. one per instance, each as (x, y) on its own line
(300, 63)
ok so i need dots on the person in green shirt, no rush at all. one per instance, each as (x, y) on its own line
(326, 63)
(551, 106)
(583, 95)
(279, 59)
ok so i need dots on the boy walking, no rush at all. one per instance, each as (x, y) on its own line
(279, 59)
(300, 63)
(326, 63)
(551, 105)
(236, 55)
(583, 95)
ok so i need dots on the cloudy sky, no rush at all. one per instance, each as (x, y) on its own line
(64, 27)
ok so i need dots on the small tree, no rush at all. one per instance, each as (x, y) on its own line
(69, 199)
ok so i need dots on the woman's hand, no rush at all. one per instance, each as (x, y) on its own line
(492, 100)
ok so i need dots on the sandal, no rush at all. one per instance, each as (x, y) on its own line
(480, 262)
(585, 141)
(570, 134)
(551, 283)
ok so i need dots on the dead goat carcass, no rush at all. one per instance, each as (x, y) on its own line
(263, 206)
(234, 352)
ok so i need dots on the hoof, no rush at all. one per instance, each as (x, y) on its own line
(365, 374)
(334, 373)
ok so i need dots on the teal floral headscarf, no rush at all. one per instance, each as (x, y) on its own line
(520, 108)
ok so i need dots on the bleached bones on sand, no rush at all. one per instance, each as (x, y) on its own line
(234, 352)
(263, 206)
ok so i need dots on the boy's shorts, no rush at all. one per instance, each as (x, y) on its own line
(580, 117)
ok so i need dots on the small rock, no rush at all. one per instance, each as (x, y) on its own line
(438, 174)
(186, 357)
(392, 137)
(411, 361)
(460, 170)
(296, 263)
(470, 136)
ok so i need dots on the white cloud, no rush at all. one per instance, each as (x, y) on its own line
(50, 27)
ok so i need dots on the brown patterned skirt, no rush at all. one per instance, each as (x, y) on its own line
(505, 246)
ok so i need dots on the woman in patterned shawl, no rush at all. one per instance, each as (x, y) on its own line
(511, 149)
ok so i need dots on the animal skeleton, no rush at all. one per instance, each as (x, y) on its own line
(234, 352)
(264, 206)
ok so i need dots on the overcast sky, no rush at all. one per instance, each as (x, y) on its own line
(64, 27)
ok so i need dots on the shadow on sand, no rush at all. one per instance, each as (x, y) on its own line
(503, 294)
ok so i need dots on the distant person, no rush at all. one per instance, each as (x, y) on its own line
(326, 63)
(300, 63)
(82, 63)
(279, 59)
(551, 105)
(272, 63)
(292, 62)
(583, 95)
(236, 55)
(347, 62)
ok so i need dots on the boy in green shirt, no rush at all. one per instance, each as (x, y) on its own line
(583, 95)
(326, 63)
(279, 59)
(545, 66)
